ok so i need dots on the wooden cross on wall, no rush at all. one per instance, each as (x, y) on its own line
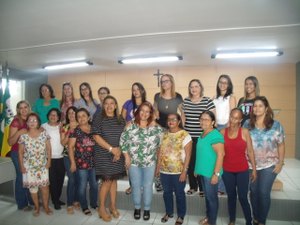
(158, 74)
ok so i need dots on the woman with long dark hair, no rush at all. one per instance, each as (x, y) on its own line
(86, 99)
(269, 148)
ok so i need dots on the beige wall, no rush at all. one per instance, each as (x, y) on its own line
(277, 83)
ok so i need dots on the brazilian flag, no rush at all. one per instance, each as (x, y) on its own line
(6, 117)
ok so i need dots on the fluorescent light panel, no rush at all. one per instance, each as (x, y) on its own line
(150, 59)
(68, 65)
(246, 54)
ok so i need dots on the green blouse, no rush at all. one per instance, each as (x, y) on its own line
(141, 144)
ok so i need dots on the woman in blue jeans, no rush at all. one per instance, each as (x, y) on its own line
(238, 149)
(209, 160)
(269, 148)
(81, 152)
(139, 142)
(16, 129)
(72, 186)
(172, 163)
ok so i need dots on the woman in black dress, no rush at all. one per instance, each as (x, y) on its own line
(107, 127)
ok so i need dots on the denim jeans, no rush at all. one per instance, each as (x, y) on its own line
(172, 184)
(237, 183)
(211, 199)
(85, 176)
(260, 193)
(72, 186)
(142, 179)
(22, 195)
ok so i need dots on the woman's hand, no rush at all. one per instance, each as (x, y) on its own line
(278, 168)
(182, 177)
(117, 153)
(22, 169)
(72, 168)
(127, 161)
(253, 176)
(48, 164)
(214, 179)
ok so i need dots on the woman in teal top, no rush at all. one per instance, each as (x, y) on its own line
(46, 102)
(209, 160)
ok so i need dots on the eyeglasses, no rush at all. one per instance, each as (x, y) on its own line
(173, 120)
(103, 93)
(204, 120)
(32, 121)
(223, 82)
(164, 81)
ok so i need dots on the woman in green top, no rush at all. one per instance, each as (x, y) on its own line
(140, 143)
(209, 160)
(46, 102)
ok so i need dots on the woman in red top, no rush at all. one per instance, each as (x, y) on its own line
(238, 146)
(17, 128)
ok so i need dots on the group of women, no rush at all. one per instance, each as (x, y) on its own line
(198, 138)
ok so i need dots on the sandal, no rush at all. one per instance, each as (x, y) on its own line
(70, 210)
(203, 221)
(166, 218)
(128, 191)
(36, 213)
(76, 205)
(87, 212)
(179, 221)
(190, 192)
(49, 212)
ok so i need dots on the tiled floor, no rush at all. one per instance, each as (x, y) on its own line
(9, 214)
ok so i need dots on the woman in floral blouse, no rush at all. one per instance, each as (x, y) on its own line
(139, 143)
(35, 161)
(173, 161)
(81, 153)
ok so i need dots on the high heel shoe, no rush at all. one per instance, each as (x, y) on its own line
(104, 216)
(115, 213)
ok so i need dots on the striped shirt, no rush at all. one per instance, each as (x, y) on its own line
(110, 129)
(193, 111)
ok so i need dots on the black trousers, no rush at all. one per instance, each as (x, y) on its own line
(56, 178)
(194, 182)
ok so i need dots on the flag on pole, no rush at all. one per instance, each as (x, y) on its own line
(6, 118)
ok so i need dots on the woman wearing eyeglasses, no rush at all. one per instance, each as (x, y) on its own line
(86, 99)
(209, 160)
(166, 102)
(193, 106)
(172, 164)
(35, 161)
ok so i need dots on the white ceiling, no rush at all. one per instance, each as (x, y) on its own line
(35, 33)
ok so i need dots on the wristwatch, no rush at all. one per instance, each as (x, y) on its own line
(217, 174)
